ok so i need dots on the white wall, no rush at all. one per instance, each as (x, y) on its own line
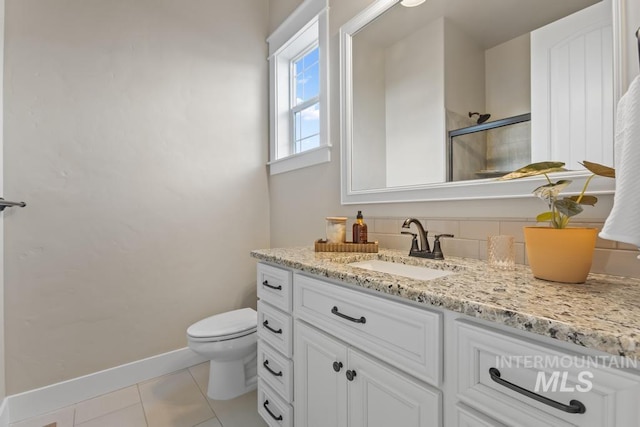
(2, 365)
(464, 93)
(631, 25)
(137, 134)
(465, 72)
(414, 107)
(369, 143)
(508, 77)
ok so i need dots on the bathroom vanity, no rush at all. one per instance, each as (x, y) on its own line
(340, 345)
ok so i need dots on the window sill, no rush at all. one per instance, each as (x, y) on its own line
(305, 159)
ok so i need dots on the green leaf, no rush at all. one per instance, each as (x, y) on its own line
(551, 191)
(599, 169)
(545, 217)
(568, 207)
(586, 200)
(534, 169)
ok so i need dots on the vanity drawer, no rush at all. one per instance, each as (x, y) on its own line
(523, 382)
(275, 411)
(276, 370)
(467, 417)
(274, 286)
(276, 328)
(409, 338)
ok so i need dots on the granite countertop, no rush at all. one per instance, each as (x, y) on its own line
(603, 313)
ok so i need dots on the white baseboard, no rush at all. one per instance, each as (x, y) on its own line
(4, 413)
(56, 396)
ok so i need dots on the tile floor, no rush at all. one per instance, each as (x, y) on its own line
(174, 400)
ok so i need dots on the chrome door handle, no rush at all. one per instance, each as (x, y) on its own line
(6, 204)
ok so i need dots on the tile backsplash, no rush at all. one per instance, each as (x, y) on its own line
(470, 240)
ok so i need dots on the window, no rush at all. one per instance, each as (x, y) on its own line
(298, 89)
(305, 101)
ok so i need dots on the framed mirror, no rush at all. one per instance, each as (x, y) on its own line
(411, 76)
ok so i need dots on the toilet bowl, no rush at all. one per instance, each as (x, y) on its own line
(229, 341)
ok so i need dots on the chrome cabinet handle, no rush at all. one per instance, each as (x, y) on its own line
(274, 373)
(574, 406)
(266, 325)
(335, 311)
(278, 418)
(266, 283)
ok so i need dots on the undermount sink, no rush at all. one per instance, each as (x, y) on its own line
(411, 271)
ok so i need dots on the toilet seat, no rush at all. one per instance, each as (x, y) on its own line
(224, 326)
(222, 338)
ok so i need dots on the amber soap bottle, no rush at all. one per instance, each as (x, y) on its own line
(359, 229)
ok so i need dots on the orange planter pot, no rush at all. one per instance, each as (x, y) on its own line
(560, 255)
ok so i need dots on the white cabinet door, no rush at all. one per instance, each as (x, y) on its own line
(572, 91)
(320, 387)
(380, 396)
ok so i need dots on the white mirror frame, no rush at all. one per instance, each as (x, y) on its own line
(459, 190)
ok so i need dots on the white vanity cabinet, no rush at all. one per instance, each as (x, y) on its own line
(338, 385)
(343, 356)
(275, 346)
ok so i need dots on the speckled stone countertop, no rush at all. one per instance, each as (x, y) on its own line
(603, 313)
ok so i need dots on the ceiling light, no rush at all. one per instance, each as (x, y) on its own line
(411, 3)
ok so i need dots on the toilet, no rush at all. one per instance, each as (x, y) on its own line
(229, 341)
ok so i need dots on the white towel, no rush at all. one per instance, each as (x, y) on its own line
(623, 223)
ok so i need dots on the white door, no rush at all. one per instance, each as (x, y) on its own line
(320, 387)
(572, 92)
(380, 396)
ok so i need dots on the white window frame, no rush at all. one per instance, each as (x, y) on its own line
(306, 26)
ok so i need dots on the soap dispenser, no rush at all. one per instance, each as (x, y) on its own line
(359, 229)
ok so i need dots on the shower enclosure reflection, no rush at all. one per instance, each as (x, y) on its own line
(489, 149)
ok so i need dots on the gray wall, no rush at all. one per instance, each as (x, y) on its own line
(136, 131)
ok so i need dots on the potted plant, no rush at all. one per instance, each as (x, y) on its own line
(560, 253)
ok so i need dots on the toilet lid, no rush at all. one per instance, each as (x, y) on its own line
(224, 324)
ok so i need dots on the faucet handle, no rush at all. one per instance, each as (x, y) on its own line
(437, 250)
(438, 236)
(414, 240)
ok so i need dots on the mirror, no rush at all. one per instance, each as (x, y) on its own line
(411, 77)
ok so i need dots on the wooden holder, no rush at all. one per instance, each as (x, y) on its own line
(323, 246)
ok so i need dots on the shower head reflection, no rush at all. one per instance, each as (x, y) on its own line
(481, 117)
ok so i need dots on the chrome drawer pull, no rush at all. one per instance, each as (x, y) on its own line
(274, 373)
(266, 325)
(335, 311)
(574, 407)
(278, 418)
(266, 283)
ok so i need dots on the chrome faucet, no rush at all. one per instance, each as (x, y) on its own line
(423, 251)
